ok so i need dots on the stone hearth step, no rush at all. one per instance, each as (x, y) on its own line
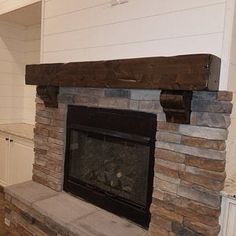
(64, 214)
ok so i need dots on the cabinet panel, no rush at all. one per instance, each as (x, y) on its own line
(3, 160)
(231, 224)
(20, 161)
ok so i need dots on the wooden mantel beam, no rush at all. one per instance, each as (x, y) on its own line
(187, 72)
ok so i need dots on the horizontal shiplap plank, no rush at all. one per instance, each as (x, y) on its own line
(33, 45)
(134, 7)
(12, 68)
(11, 91)
(179, 24)
(9, 114)
(104, 14)
(210, 43)
(58, 7)
(8, 56)
(13, 44)
(33, 33)
(11, 102)
(12, 31)
(32, 57)
(10, 79)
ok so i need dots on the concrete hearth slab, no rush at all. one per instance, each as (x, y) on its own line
(30, 192)
(64, 208)
(74, 215)
(105, 224)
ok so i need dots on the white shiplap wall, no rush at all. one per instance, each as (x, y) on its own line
(231, 143)
(32, 56)
(11, 72)
(19, 45)
(84, 30)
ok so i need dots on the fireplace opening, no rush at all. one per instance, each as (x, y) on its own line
(110, 159)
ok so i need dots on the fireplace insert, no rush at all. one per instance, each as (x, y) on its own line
(110, 159)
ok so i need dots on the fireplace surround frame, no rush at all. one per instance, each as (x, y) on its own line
(139, 214)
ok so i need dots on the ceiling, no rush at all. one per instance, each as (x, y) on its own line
(29, 15)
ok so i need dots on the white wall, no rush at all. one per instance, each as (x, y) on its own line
(19, 45)
(11, 5)
(32, 56)
(84, 30)
(231, 143)
(11, 72)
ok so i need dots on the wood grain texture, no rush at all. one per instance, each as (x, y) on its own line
(49, 95)
(177, 106)
(187, 72)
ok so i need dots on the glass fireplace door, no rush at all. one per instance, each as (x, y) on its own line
(110, 159)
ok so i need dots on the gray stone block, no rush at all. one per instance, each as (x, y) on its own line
(168, 137)
(181, 230)
(43, 120)
(66, 98)
(134, 105)
(216, 120)
(199, 152)
(97, 92)
(167, 178)
(204, 95)
(145, 95)
(203, 132)
(118, 103)
(161, 116)
(85, 100)
(165, 186)
(150, 106)
(121, 93)
(211, 106)
(170, 165)
(67, 90)
(199, 196)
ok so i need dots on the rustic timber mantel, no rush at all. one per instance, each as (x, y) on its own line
(176, 76)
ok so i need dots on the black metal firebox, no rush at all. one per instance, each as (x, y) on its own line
(110, 159)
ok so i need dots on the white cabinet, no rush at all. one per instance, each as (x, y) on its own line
(228, 217)
(3, 160)
(16, 159)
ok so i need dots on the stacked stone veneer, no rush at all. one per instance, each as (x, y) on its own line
(189, 159)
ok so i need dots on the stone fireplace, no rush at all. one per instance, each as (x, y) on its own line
(185, 162)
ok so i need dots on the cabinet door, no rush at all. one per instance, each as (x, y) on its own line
(231, 224)
(21, 157)
(4, 145)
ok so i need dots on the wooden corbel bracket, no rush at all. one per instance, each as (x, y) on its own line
(49, 95)
(177, 106)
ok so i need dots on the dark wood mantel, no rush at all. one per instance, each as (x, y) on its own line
(188, 72)
(176, 76)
